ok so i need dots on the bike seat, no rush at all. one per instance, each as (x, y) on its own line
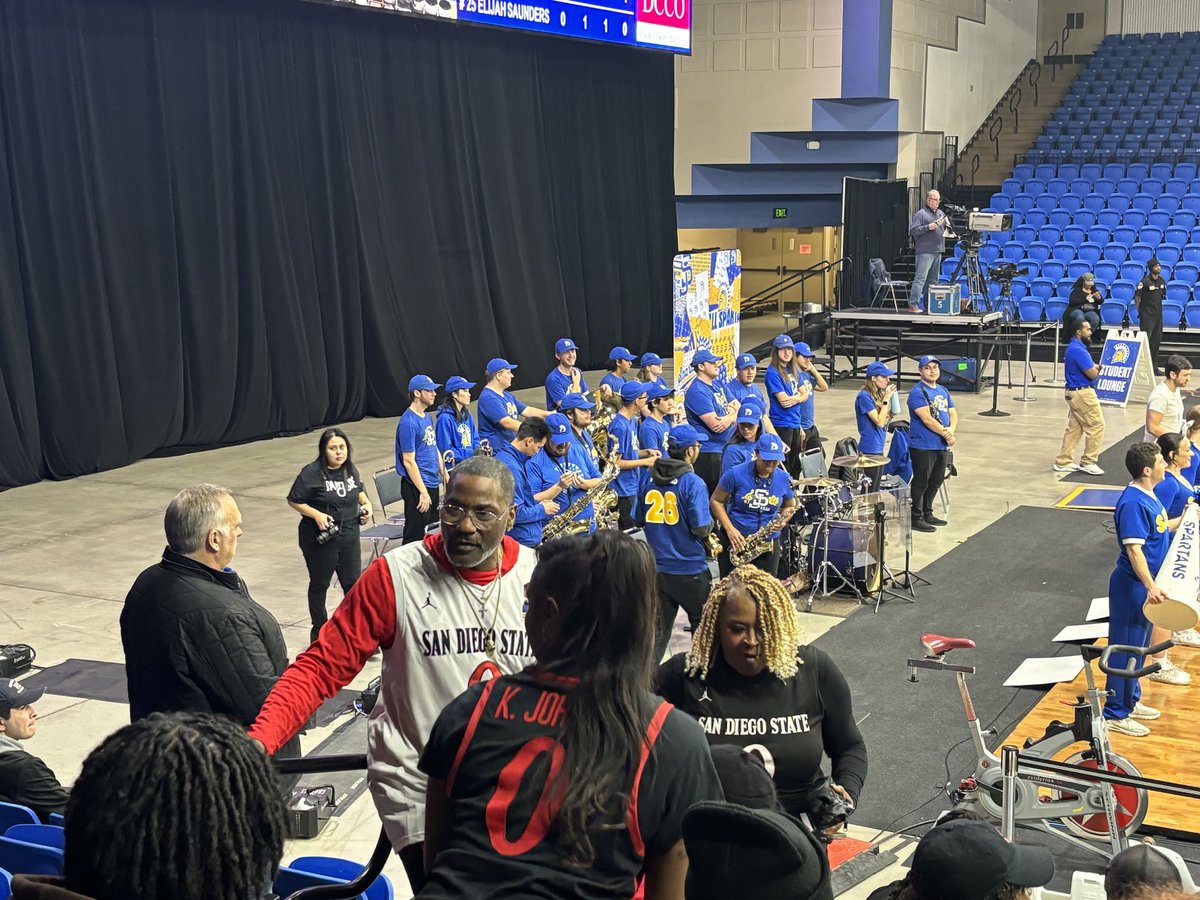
(936, 644)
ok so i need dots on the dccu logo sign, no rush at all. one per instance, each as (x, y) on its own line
(665, 22)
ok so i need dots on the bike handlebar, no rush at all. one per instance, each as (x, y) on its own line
(1135, 653)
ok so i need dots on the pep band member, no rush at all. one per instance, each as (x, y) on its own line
(748, 497)
(932, 423)
(651, 369)
(564, 378)
(872, 412)
(623, 433)
(711, 413)
(620, 361)
(421, 468)
(500, 411)
(751, 683)
(576, 745)
(740, 448)
(656, 422)
(327, 492)
(456, 431)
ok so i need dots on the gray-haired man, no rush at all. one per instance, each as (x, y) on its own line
(927, 228)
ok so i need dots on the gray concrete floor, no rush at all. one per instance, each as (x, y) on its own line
(71, 550)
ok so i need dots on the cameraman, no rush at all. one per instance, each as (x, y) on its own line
(1085, 301)
(927, 228)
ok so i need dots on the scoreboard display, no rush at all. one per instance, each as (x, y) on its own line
(655, 24)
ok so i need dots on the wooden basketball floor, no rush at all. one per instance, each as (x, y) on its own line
(1171, 752)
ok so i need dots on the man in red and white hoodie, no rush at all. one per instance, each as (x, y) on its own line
(446, 612)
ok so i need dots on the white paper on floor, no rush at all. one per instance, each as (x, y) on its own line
(1045, 670)
(1098, 609)
(1088, 632)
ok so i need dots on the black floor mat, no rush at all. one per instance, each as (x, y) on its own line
(1112, 460)
(350, 737)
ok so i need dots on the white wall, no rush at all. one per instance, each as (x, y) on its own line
(1140, 16)
(963, 85)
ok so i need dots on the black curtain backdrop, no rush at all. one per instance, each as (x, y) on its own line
(874, 224)
(223, 219)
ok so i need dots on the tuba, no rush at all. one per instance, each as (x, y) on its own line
(755, 545)
(564, 523)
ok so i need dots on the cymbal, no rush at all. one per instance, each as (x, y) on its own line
(817, 481)
(862, 461)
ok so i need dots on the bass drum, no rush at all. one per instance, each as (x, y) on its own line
(853, 551)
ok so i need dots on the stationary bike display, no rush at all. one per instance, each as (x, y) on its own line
(1075, 809)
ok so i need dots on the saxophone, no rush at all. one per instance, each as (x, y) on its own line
(598, 427)
(564, 523)
(755, 545)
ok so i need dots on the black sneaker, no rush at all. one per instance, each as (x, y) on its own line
(934, 520)
(922, 525)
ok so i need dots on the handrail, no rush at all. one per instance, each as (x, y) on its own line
(790, 280)
(1035, 75)
(994, 133)
(1052, 57)
(1014, 106)
(974, 169)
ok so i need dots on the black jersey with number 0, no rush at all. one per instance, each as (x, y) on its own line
(497, 746)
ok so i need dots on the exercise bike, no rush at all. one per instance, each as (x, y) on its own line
(1086, 813)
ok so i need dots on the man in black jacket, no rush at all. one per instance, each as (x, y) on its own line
(24, 779)
(194, 638)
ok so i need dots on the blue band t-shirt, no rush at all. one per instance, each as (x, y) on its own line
(459, 436)
(780, 383)
(623, 433)
(702, 398)
(494, 406)
(871, 437)
(1076, 361)
(558, 386)
(754, 501)
(669, 512)
(652, 434)
(415, 435)
(938, 399)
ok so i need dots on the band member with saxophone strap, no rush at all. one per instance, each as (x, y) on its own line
(748, 501)
(673, 509)
(457, 434)
(564, 378)
(563, 471)
(711, 412)
(500, 411)
(623, 432)
(532, 514)
(660, 410)
(578, 409)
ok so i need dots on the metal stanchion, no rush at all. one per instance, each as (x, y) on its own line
(995, 411)
(1025, 398)
(1009, 758)
(1053, 380)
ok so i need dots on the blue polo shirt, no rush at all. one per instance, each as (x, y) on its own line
(531, 515)
(652, 434)
(459, 437)
(1141, 519)
(1077, 360)
(558, 386)
(669, 512)
(1173, 494)
(736, 455)
(494, 406)
(871, 437)
(704, 398)
(415, 434)
(754, 501)
(544, 470)
(940, 403)
(779, 383)
(623, 433)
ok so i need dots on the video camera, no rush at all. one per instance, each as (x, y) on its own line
(1006, 271)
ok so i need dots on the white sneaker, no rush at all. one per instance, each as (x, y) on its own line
(1069, 467)
(1171, 674)
(1091, 469)
(1144, 712)
(1189, 638)
(1130, 726)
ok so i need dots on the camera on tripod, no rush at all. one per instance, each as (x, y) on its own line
(1006, 271)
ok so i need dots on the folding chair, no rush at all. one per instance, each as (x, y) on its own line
(884, 286)
(387, 486)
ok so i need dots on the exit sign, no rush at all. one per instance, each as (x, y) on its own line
(781, 212)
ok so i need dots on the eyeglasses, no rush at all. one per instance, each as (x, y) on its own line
(452, 514)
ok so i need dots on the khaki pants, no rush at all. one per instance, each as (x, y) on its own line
(1085, 418)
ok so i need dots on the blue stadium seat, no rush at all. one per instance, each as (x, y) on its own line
(1149, 234)
(1035, 186)
(1030, 309)
(1045, 172)
(1112, 171)
(1056, 186)
(1115, 253)
(1049, 203)
(1022, 172)
(1134, 218)
(1001, 203)
(1035, 217)
(1119, 202)
(1070, 171)
(1159, 218)
(1010, 187)
(42, 835)
(1059, 218)
(1063, 252)
(1104, 186)
(1088, 252)
(1038, 251)
(1076, 268)
(989, 253)
(1025, 202)
(1049, 234)
(1171, 314)
(1095, 202)
(1070, 203)
(1081, 187)
(1123, 290)
(1160, 172)
(1128, 186)
(1034, 270)
(1169, 255)
(1176, 236)
(21, 858)
(1192, 314)
(1077, 234)
(1191, 252)
(1020, 289)
(1090, 171)
(1176, 187)
(1144, 202)
(1053, 269)
(1055, 308)
(15, 814)
(343, 870)
(1185, 171)
(1014, 251)
(1025, 235)
(1133, 270)
(1170, 202)
(948, 266)
(1141, 252)
(1063, 287)
(1179, 292)
(1184, 218)
(1106, 272)
(5, 885)
(1152, 186)
(1112, 312)
(1188, 273)
(1041, 289)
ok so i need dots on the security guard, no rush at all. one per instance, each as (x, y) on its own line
(1149, 300)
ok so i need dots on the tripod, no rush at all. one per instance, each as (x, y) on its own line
(977, 283)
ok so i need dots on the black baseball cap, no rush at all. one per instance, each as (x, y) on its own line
(16, 695)
(744, 778)
(965, 860)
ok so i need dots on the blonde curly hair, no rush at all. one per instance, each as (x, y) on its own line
(779, 624)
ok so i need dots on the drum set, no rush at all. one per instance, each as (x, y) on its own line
(838, 540)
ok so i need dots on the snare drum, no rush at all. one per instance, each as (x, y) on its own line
(823, 503)
(853, 551)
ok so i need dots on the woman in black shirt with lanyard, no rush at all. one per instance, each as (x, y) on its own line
(749, 682)
(329, 495)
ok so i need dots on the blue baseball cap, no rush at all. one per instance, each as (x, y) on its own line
(651, 359)
(576, 401)
(564, 344)
(656, 391)
(878, 368)
(749, 412)
(621, 353)
(782, 341)
(756, 401)
(683, 436)
(458, 383)
(499, 364)
(745, 361)
(802, 349)
(704, 356)
(631, 390)
(560, 428)
(422, 383)
(770, 447)
(927, 359)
